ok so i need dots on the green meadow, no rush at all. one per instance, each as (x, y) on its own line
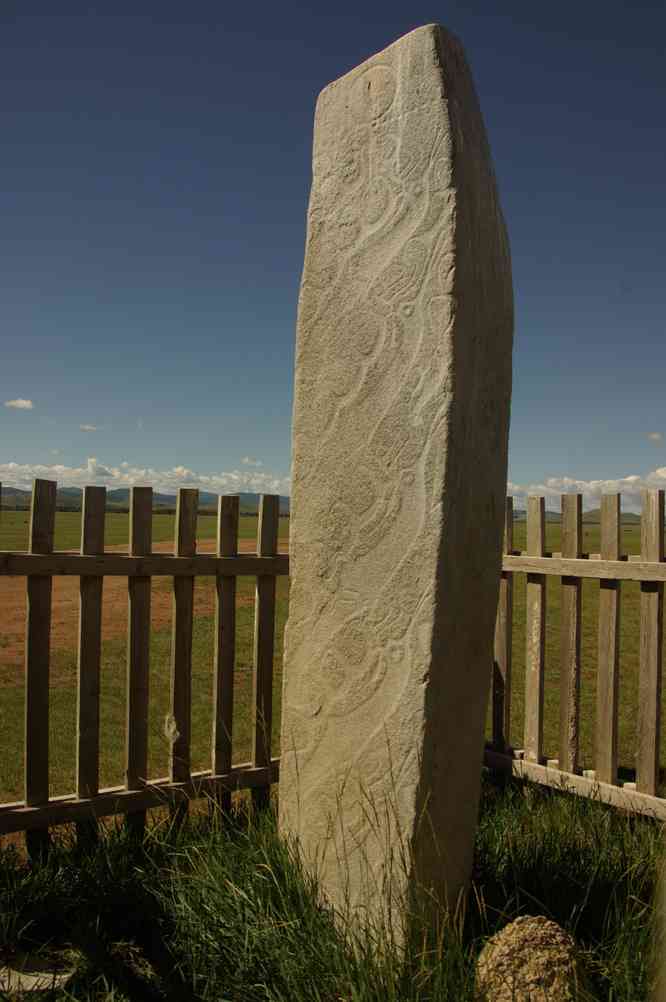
(13, 536)
(15, 526)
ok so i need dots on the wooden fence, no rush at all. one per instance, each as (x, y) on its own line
(88, 803)
(610, 567)
(37, 811)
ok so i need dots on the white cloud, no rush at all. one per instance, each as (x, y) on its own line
(629, 486)
(87, 427)
(56, 452)
(162, 481)
(95, 471)
(20, 404)
(251, 461)
(655, 436)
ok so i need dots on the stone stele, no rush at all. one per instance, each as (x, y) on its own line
(400, 428)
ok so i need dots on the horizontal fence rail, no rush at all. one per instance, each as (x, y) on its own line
(84, 806)
(610, 567)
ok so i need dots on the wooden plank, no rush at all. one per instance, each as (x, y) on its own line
(89, 651)
(651, 630)
(625, 798)
(608, 672)
(118, 800)
(535, 633)
(138, 650)
(42, 516)
(166, 565)
(181, 639)
(225, 644)
(501, 688)
(570, 618)
(599, 570)
(264, 633)
(157, 564)
(37, 658)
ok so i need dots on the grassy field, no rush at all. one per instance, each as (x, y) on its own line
(222, 911)
(13, 535)
(14, 527)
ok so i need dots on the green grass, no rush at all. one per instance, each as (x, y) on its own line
(14, 528)
(113, 704)
(222, 912)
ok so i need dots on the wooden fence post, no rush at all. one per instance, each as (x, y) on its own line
(89, 651)
(138, 651)
(503, 645)
(225, 646)
(651, 629)
(535, 633)
(608, 674)
(37, 658)
(181, 646)
(572, 535)
(264, 632)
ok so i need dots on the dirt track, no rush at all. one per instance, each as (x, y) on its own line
(65, 609)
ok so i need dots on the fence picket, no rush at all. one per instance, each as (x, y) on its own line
(503, 646)
(570, 617)
(138, 650)
(535, 632)
(181, 642)
(651, 630)
(89, 651)
(37, 656)
(225, 645)
(608, 674)
(264, 630)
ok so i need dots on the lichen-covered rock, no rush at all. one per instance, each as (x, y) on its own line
(531, 960)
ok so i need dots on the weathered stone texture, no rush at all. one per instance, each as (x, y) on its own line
(400, 426)
(530, 960)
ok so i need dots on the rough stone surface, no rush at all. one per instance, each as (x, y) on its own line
(400, 426)
(531, 960)
(32, 975)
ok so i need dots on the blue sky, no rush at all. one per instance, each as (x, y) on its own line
(155, 175)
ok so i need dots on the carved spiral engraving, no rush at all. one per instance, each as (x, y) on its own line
(379, 239)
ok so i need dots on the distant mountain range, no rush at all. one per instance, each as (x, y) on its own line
(71, 497)
(591, 517)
